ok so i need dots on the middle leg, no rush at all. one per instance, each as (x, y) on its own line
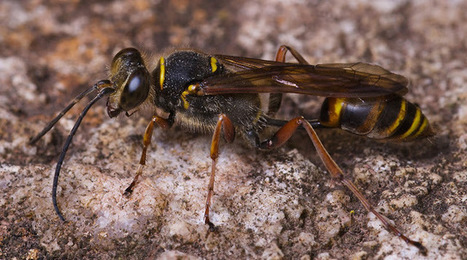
(226, 125)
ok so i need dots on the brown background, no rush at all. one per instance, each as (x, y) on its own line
(267, 205)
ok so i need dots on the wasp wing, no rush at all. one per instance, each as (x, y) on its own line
(247, 75)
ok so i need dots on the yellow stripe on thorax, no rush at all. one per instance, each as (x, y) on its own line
(162, 74)
(190, 90)
(213, 64)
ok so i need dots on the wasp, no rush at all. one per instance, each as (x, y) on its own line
(220, 94)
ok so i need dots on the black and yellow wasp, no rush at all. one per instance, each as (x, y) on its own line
(220, 94)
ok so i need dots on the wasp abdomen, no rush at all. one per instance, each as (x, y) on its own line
(389, 117)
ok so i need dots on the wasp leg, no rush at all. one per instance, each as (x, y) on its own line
(226, 125)
(161, 122)
(280, 56)
(275, 99)
(284, 133)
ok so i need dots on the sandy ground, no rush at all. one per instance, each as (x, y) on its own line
(267, 205)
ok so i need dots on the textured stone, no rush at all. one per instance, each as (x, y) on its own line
(272, 205)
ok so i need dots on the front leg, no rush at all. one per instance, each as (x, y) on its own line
(161, 122)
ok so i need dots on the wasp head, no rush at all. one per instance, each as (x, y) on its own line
(131, 80)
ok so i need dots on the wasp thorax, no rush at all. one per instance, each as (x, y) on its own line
(131, 80)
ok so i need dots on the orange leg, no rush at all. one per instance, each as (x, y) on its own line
(226, 125)
(275, 99)
(285, 132)
(280, 56)
(161, 122)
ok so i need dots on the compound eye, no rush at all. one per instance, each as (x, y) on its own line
(136, 89)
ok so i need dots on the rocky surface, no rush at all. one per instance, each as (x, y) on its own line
(266, 205)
